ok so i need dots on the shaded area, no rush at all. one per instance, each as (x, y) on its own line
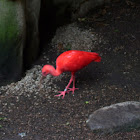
(51, 17)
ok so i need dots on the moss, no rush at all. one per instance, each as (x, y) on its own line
(8, 29)
(10, 40)
(8, 22)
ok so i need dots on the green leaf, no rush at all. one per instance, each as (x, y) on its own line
(86, 102)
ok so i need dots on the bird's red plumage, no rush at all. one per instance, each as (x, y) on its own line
(72, 61)
(75, 60)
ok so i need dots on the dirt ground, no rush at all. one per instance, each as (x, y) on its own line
(116, 79)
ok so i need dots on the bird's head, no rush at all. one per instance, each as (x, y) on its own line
(46, 70)
(49, 69)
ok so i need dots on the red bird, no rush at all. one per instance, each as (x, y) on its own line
(71, 61)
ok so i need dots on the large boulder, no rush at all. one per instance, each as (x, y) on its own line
(19, 37)
(12, 38)
(117, 117)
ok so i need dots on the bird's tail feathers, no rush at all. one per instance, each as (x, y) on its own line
(97, 58)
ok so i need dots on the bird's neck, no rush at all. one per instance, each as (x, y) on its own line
(55, 72)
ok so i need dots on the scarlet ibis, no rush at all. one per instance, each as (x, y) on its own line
(71, 61)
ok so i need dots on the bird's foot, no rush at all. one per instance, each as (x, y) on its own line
(72, 89)
(62, 93)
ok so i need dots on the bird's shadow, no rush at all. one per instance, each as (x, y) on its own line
(90, 75)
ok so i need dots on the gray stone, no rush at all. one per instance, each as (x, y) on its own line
(117, 117)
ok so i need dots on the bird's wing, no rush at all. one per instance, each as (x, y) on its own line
(73, 61)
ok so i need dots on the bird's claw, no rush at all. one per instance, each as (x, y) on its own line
(62, 93)
(72, 89)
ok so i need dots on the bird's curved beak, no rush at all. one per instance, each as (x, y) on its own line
(41, 81)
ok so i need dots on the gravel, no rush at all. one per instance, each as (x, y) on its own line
(76, 38)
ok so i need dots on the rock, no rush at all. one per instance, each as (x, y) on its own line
(81, 8)
(76, 8)
(117, 117)
(12, 38)
(32, 12)
(19, 37)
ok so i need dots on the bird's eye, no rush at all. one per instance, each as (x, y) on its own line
(45, 73)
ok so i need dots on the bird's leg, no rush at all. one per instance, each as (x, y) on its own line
(67, 87)
(73, 89)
